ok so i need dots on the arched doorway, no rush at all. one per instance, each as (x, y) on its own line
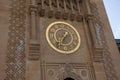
(69, 78)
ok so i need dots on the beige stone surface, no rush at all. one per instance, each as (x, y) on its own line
(114, 53)
(4, 23)
(44, 63)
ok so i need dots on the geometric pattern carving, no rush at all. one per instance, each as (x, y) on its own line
(62, 71)
(94, 11)
(98, 56)
(107, 60)
(16, 43)
(99, 34)
(108, 65)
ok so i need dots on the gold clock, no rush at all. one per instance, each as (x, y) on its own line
(63, 37)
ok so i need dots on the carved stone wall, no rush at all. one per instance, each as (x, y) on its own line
(61, 9)
(99, 26)
(62, 71)
(96, 58)
(16, 43)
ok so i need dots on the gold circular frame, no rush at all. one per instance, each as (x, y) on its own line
(58, 50)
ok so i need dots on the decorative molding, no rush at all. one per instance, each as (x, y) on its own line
(50, 13)
(58, 14)
(96, 36)
(72, 18)
(60, 71)
(98, 55)
(99, 33)
(89, 17)
(34, 45)
(16, 42)
(61, 9)
(34, 51)
(79, 17)
(97, 49)
(33, 27)
(33, 8)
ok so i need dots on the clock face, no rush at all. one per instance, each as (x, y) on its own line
(63, 37)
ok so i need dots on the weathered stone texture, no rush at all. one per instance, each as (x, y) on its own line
(4, 23)
(26, 55)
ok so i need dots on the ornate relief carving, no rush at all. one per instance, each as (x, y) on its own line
(97, 48)
(62, 71)
(107, 60)
(72, 16)
(61, 9)
(58, 15)
(51, 72)
(99, 35)
(108, 65)
(99, 43)
(65, 15)
(16, 43)
(79, 18)
(94, 11)
(50, 14)
(84, 73)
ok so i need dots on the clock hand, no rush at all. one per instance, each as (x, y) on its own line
(61, 39)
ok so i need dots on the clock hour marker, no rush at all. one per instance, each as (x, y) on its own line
(65, 48)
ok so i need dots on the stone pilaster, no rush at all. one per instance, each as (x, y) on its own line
(34, 46)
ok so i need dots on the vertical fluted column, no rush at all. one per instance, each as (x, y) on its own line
(34, 46)
(71, 4)
(50, 4)
(91, 28)
(33, 10)
(65, 5)
(65, 14)
(33, 25)
(79, 13)
(58, 12)
(58, 4)
(42, 3)
(89, 18)
(78, 6)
